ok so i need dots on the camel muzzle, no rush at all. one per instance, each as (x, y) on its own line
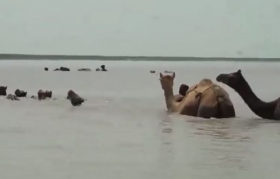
(222, 78)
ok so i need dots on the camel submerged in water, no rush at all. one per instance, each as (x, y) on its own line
(20, 93)
(205, 99)
(44, 94)
(3, 90)
(75, 99)
(236, 81)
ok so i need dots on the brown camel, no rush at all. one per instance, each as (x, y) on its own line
(75, 99)
(267, 110)
(205, 99)
(44, 94)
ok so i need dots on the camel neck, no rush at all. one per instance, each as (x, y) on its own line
(259, 107)
(169, 98)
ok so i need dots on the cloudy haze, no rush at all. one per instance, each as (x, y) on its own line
(141, 27)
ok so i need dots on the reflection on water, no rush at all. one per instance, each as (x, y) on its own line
(228, 146)
(165, 159)
(216, 147)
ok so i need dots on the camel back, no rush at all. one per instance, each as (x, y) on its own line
(201, 86)
(205, 85)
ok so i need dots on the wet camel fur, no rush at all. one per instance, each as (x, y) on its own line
(236, 81)
(44, 94)
(75, 99)
(205, 99)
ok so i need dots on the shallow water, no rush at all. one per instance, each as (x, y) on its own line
(123, 131)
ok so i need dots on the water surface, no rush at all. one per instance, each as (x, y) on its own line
(123, 131)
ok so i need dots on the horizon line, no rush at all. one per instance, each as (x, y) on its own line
(128, 57)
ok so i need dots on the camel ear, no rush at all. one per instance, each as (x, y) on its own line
(173, 75)
(160, 75)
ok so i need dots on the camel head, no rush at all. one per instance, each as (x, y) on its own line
(167, 81)
(71, 94)
(233, 80)
(49, 94)
(3, 90)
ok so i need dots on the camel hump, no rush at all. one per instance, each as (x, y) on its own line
(220, 90)
(202, 86)
(221, 93)
(192, 88)
(205, 81)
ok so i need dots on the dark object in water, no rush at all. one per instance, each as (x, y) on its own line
(44, 94)
(152, 71)
(62, 69)
(46, 69)
(3, 90)
(12, 97)
(75, 99)
(34, 97)
(84, 69)
(20, 93)
(103, 68)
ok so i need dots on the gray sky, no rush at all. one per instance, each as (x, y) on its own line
(141, 27)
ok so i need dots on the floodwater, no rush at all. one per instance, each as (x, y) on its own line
(122, 131)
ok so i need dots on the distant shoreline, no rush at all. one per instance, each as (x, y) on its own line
(128, 58)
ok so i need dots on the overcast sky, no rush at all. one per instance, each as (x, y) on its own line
(141, 27)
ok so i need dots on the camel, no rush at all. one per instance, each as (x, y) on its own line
(205, 99)
(75, 99)
(3, 90)
(236, 81)
(102, 68)
(20, 93)
(44, 94)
